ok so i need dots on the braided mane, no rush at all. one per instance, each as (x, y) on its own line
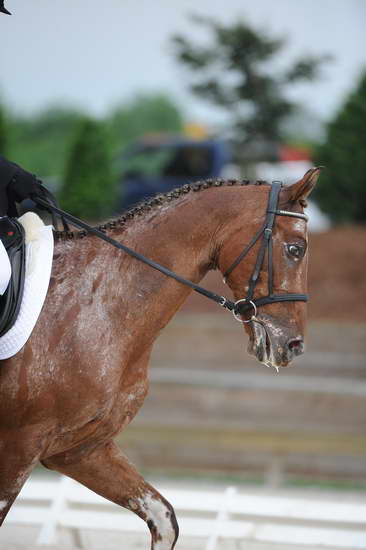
(163, 198)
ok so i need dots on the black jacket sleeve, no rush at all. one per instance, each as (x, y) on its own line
(16, 185)
(7, 173)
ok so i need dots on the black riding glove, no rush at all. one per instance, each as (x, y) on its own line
(24, 185)
(16, 185)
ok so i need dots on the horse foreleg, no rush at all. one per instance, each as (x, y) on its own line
(18, 456)
(108, 472)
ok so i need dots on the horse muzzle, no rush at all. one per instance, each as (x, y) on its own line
(272, 345)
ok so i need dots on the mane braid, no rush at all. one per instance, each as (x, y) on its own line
(163, 198)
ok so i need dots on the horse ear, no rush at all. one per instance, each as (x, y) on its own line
(302, 188)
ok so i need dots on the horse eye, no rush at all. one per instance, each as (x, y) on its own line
(295, 250)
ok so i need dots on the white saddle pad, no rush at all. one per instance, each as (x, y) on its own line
(38, 265)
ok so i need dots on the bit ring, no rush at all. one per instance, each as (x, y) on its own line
(236, 315)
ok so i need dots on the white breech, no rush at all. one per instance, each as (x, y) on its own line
(5, 269)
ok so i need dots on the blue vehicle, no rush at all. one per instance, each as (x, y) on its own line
(156, 166)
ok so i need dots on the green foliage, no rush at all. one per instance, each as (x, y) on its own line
(154, 113)
(342, 189)
(89, 188)
(3, 131)
(40, 142)
(235, 72)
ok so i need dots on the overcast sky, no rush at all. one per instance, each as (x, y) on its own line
(97, 53)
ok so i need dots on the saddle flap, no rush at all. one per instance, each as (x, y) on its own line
(11, 232)
(12, 236)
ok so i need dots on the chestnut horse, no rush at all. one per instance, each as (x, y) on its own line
(83, 374)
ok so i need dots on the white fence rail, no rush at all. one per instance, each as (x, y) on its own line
(211, 515)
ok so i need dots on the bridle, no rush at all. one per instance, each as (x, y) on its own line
(239, 307)
(266, 231)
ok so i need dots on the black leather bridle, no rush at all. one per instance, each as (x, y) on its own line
(239, 307)
(245, 304)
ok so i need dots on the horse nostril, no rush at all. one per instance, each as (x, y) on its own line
(296, 345)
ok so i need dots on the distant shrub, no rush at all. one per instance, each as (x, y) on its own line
(89, 188)
(341, 192)
(145, 114)
(3, 131)
(40, 141)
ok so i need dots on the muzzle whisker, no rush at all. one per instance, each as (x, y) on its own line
(255, 319)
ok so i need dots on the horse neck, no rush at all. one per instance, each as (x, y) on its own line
(184, 235)
(179, 236)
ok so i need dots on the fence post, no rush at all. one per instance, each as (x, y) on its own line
(48, 533)
(222, 515)
(275, 474)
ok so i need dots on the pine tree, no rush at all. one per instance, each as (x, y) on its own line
(341, 192)
(89, 188)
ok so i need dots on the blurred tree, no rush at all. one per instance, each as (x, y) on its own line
(237, 71)
(155, 113)
(3, 131)
(89, 188)
(40, 142)
(342, 190)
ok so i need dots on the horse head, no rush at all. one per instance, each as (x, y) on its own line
(269, 276)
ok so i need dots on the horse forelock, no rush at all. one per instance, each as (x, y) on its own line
(147, 205)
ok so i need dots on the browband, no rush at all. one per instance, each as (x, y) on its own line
(291, 214)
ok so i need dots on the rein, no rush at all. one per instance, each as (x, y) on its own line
(240, 306)
(221, 300)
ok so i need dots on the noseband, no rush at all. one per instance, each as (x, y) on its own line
(265, 232)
